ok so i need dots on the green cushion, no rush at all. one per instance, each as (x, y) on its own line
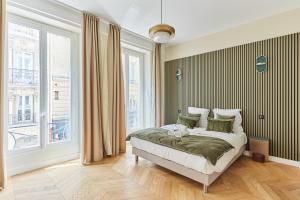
(220, 125)
(196, 116)
(187, 121)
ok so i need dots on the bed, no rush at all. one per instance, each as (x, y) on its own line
(190, 165)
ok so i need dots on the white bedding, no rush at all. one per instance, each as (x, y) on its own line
(237, 140)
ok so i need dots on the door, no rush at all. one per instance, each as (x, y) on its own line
(41, 84)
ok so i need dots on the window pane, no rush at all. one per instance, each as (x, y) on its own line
(59, 66)
(26, 100)
(23, 85)
(134, 104)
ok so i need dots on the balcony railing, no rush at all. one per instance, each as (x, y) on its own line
(59, 130)
(24, 119)
(23, 77)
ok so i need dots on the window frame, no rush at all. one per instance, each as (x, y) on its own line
(130, 52)
(11, 18)
(43, 29)
(61, 32)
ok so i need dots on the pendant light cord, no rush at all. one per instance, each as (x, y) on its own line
(161, 11)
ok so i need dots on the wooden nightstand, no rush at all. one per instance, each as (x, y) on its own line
(259, 145)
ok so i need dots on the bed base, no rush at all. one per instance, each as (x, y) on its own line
(205, 179)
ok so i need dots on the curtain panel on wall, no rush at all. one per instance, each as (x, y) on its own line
(2, 43)
(103, 91)
(116, 95)
(92, 140)
(157, 84)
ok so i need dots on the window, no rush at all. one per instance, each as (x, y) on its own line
(133, 63)
(23, 39)
(20, 118)
(28, 61)
(24, 107)
(56, 95)
(28, 114)
(23, 60)
(20, 101)
(17, 59)
(20, 106)
(59, 65)
(23, 44)
(39, 72)
(26, 100)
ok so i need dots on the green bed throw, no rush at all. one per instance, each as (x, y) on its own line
(210, 148)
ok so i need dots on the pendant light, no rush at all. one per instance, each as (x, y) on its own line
(161, 33)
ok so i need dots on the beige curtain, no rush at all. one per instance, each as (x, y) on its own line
(103, 91)
(116, 94)
(2, 32)
(92, 139)
(157, 85)
(104, 28)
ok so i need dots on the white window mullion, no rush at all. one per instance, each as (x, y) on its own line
(43, 87)
(75, 85)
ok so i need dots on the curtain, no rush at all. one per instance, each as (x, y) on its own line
(116, 98)
(92, 139)
(2, 49)
(104, 28)
(157, 85)
(103, 91)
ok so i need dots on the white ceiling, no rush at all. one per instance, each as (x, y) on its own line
(190, 18)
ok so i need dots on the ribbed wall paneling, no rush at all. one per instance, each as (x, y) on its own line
(227, 78)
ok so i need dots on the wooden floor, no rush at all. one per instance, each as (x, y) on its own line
(120, 178)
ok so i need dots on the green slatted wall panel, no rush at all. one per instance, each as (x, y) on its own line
(227, 79)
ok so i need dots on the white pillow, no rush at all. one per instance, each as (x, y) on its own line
(204, 115)
(237, 125)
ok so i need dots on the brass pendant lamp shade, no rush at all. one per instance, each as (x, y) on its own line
(161, 33)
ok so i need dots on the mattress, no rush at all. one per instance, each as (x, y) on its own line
(198, 163)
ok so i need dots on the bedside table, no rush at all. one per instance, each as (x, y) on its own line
(259, 145)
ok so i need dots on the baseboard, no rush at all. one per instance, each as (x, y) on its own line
(279, 160)
(33, 166)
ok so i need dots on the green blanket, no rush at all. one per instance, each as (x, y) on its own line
(208, 147)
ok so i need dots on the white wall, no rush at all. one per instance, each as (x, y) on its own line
(277, 25)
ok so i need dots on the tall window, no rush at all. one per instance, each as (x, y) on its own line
(39, 69)
(133, 63)
(59, 62)
(23, 86)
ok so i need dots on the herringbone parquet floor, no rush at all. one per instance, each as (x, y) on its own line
(120, 178)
